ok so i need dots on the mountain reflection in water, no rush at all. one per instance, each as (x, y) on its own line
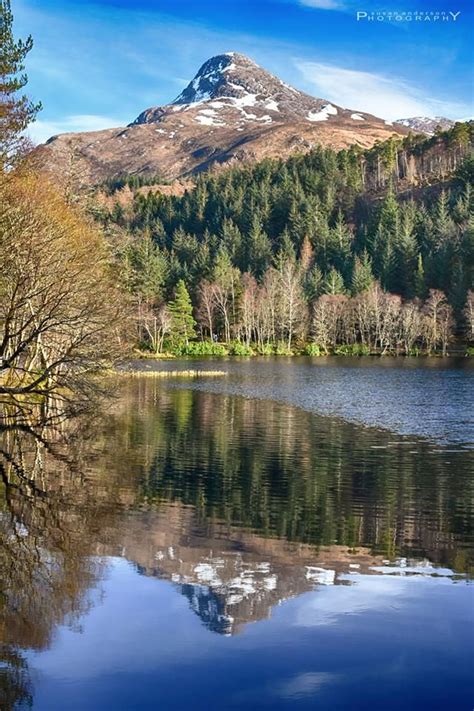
(241, 504)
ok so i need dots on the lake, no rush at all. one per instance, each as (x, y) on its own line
(295, 534)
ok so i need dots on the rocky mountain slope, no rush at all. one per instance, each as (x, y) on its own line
(232, 111)
(425, 124)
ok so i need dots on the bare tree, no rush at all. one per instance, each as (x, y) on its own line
(292, 301)
(469, 315)
(60, 314)
(207, 304)
(156, 321)
(438, 321)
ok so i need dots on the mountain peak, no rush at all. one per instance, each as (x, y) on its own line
(232, 111)
(224, 75)
(230, 88)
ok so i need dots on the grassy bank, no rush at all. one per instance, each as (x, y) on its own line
(207, 348)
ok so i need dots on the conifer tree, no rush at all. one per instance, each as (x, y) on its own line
(362, 275)
(182, 321)
(16, 111)
(334, 283)
(420, 281)
(313, 283)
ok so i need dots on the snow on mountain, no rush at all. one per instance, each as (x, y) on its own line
(231, 82)
(232, 111)
(426, 124)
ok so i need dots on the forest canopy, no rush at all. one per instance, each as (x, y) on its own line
(290, 233)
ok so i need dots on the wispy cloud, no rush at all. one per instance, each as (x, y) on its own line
(388, 97)
(306, 684)
(40, 131)
(322, 4)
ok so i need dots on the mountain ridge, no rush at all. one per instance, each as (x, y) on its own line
(232, 111)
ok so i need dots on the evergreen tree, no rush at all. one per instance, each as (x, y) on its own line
(419, 280)
(259, 250)
(182, 320)
(387, 236)
(16, 111)
(362, 275)
(313, 283)
(334, 283)
(146, 268)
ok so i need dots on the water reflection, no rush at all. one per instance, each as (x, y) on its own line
(47, 534)
(240, 504)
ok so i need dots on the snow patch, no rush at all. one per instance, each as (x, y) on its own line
(246, 100)
(357, 117)
(323, 114)
(272, 105)
(208, 121)
(207, 112)
(320, 575)
(207, 573)
(270, 582)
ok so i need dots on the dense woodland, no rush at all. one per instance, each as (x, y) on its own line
(319, 252)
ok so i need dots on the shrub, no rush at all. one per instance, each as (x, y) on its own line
(240, 349)
(352, 349)
(200, 348)
(312, 349)
(281, 348)
(266, 349)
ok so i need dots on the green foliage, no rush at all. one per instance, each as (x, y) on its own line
(200, 348)
(362, 275)
(335, 217)
(266, 349)
(112, 185)
(333, 283)
(16, 111)
(240, 349)
(470, 351)
(182, 320)
(312, 349)
(281, 348)
(352, 349)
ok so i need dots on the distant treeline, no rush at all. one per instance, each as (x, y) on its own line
(112, 185)
(314, 226)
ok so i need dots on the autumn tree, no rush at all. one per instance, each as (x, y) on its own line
(61, 317)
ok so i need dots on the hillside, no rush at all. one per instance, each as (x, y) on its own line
(319, 225)
(233, 111)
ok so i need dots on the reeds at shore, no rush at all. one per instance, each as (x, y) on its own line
(171, 373)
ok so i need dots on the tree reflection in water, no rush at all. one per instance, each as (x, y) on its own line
(48, 517)
(190, 485)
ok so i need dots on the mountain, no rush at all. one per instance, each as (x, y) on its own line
(425, 124)
(232, 111)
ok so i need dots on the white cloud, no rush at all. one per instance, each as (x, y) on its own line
(388, 97)
(40, 130)
(305, 684)
(322, 4)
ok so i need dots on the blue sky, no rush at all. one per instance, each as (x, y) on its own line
(99, 63)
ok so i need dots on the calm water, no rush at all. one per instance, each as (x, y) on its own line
(294, 534)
